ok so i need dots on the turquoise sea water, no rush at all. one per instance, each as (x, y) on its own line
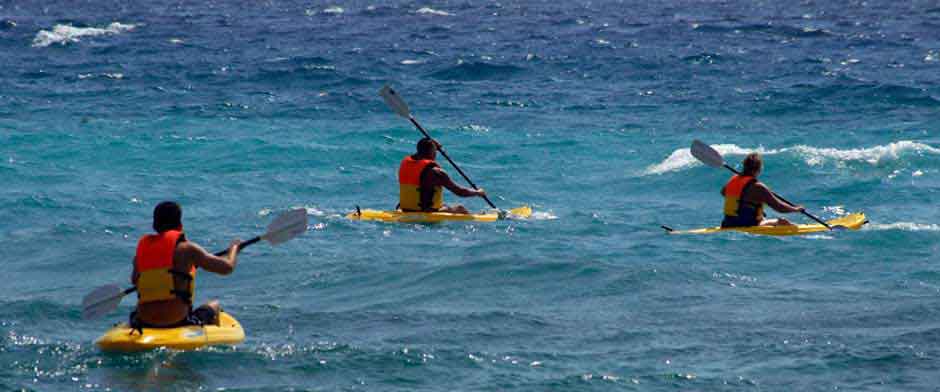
(584, 110)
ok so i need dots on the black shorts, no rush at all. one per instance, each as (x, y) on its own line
(203, 315)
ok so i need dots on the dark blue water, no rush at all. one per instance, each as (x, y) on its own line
(584, 110)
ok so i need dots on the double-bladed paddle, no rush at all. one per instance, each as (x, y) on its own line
(285, 227)
(707, 155)
(394, 101)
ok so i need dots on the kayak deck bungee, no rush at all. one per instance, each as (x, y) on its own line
(433, 217)
(121, 338)
(851, 221)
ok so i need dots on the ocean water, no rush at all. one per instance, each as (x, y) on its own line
(584, 110)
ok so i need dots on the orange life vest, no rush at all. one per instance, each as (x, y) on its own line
(410, 190)
(154, 262)
(739, 212)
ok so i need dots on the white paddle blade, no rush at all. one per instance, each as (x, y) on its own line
(286, 226)
(706, 154)
(102, 301)
(394, 101)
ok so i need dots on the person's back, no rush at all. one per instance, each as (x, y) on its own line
(421, 182)
(745, 197)
(415, 190)
(165, 267)
(742, 207)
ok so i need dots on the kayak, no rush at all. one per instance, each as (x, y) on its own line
(851, 221)
(433, 217)
(122, 338)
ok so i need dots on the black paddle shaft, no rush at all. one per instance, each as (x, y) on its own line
(241, 246)
(785, 201)
(219, 253)
(441, 149)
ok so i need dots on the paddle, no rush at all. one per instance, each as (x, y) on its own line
(286, 226)
(394, 101)
(707, 155)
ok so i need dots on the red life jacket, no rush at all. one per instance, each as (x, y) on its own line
(154, 262)
(411, 193)
(739, 212)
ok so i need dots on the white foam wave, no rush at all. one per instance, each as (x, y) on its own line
(411, 62)
(682, 159)
(475, 128)
(432, 11)
(543, 215)
(313, 211)
(872, 155)
(63, 34)
(107, 75)
(334, 10)
(903, 226)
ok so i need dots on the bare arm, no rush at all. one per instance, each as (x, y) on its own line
(764, 195)
(135, 274)
(210, 262)
(442, 179)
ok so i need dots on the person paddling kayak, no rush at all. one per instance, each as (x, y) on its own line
(165, 271)
(745, 197)
(421, 181)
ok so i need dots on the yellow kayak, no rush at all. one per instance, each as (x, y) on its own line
(433, 217)
(851, 221)
(121, 338)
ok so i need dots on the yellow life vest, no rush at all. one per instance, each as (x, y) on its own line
(157, 278)
(410, 189)
(740, 212)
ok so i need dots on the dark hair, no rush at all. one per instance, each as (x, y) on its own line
(752, 164)
(425, 147)
(167, 216)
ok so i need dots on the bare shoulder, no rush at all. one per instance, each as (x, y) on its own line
(761, 189)
(439, 172)
(190, 250)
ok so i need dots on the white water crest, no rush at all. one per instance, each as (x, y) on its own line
(872, 155)
(431, 11)
(311, 210)
(543, 215)
(63, 34)
(334, 10)
(682, 159)
(903, 226)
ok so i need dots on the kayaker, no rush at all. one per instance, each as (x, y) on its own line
(745, 197)
(421, 181)
(165, 271)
